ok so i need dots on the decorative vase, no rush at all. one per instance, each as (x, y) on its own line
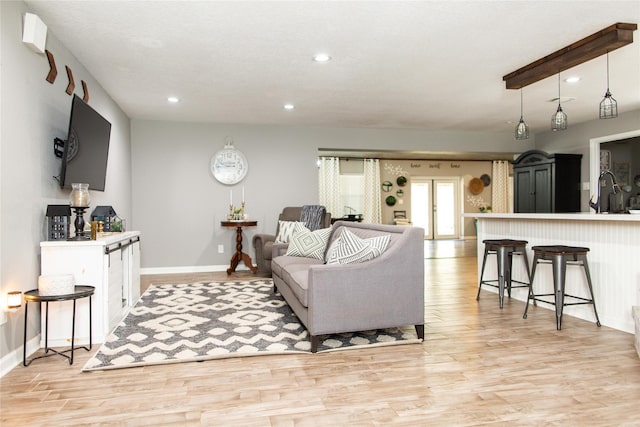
(80, 195)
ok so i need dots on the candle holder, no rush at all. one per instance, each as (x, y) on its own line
(79, 223)
(79, 203)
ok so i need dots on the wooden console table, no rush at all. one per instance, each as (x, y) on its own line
(239, 255)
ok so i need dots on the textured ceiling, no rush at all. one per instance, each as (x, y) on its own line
(396, 64)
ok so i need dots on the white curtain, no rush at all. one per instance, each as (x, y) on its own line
(502, 193)
(372, 211)
(329, 185)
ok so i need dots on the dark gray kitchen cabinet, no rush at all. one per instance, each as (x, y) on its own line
(546, 183)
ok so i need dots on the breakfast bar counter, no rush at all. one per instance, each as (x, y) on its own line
(614, 258)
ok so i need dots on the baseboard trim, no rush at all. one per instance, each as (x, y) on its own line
(14, 358)
(189, 269)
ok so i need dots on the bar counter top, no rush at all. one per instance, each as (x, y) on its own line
(579, 216)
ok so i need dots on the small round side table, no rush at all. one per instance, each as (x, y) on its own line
(239, 255)
(34, 296)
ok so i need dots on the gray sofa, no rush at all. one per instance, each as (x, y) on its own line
(385, 292)
(263, 243)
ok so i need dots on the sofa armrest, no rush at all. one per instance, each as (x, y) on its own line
(279, 249)
(261, 239)
(263, 251)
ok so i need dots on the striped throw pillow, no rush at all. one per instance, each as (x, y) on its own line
(351, 249)
(286, 229)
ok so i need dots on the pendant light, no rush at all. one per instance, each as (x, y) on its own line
(559, 119)
(608, 105)
(522, 129)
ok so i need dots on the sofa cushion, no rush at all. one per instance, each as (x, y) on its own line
(311, 244)
(286, 229)
(294, 271)
(281, 263)
(349, 248)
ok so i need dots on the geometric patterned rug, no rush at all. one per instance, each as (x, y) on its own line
(202, 321)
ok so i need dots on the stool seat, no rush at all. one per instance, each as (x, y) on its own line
(560, 256)
(496, 243)
(504, 249)
(560, 250)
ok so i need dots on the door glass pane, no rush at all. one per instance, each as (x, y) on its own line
(445, 209)
(351, 194)
(420, 205)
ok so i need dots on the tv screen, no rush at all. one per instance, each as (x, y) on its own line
(86, 149)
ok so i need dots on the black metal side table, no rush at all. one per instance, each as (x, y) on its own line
(34, 296)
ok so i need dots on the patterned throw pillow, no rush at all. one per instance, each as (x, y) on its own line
(286, 229)
(309, 244)
(351, 249)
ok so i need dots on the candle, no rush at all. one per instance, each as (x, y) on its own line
(243, 194)
(230, 197)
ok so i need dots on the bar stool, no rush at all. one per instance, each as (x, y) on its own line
(560, 256)
(504, 250)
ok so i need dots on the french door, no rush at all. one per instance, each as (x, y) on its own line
(435, 206)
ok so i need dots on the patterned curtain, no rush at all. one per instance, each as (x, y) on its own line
(372, 207)
(502, 194)
(329, 184)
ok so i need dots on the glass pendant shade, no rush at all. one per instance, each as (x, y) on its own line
(522, 129)
(608, 105)
(559, 119)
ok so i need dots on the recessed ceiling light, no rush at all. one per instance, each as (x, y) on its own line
(573, 79)
(173, 99)
(289, 106)
(321, 57)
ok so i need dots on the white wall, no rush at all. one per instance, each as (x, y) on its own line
(33, 112)
(178, 205)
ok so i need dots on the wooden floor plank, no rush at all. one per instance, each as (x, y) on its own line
(479, 365)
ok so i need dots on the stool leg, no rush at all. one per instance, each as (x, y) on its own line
(508, 270)
(531, 277)
(559, 275)
(484, 263)
(501, 257)
(583, 258)
(525, 259)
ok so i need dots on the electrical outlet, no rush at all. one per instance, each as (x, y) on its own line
(220, 249)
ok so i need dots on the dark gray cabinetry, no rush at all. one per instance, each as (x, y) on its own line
(545, 183)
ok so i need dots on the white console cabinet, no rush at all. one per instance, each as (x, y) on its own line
(111, 264)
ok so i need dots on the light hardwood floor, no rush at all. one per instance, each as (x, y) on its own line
(479, 365)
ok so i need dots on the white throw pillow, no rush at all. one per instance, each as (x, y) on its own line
(351, 249)
(286, 229)
(310, 244)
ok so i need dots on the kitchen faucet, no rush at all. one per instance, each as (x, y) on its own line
(597, 206)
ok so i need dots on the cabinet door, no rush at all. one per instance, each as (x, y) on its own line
(523, 191)
(542, 189)
(116, 297)
(134, 273)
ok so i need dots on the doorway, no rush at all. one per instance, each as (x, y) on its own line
(435, 206)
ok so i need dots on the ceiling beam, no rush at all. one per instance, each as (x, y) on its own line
(606, 40)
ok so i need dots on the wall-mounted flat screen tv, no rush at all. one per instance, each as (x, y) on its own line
(86, 150)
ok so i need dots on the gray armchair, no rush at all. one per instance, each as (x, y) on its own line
(263, 243)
